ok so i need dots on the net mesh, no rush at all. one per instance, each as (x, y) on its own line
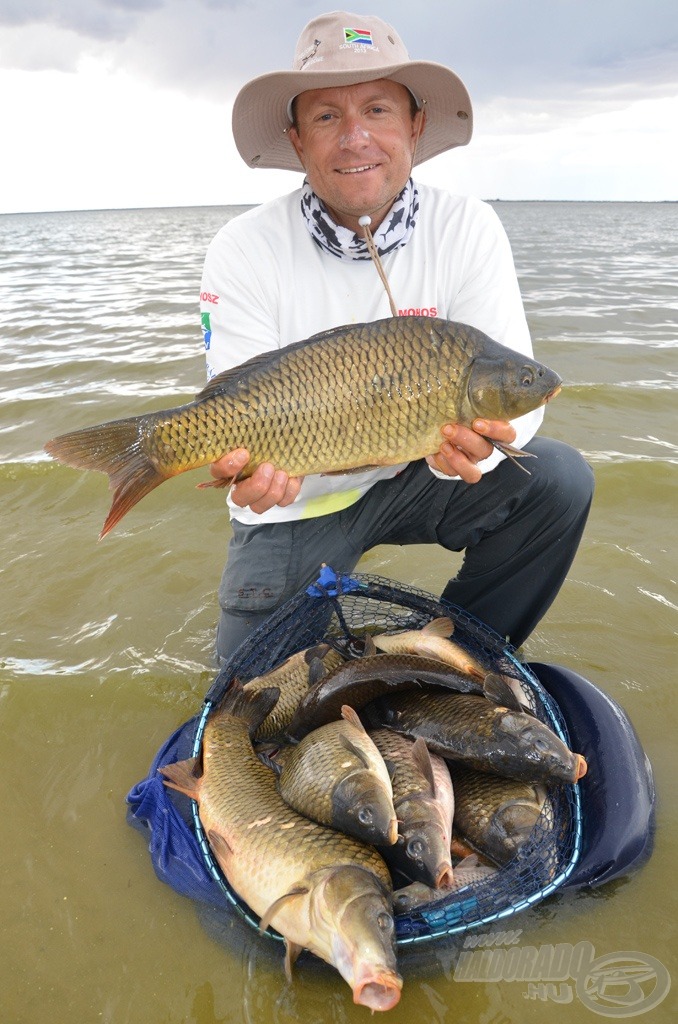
(338, 606)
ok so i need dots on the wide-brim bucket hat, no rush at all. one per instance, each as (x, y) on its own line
(344, 49)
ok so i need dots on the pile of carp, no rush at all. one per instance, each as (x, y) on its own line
(329, 786)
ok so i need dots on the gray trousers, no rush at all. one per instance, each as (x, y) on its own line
(519, 534)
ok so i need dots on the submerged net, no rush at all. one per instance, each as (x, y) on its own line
(338, 606)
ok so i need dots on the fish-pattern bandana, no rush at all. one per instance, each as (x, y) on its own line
(394, 230)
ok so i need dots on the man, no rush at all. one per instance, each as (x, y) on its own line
(355, 114)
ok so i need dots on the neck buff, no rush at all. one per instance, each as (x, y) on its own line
(394, 230)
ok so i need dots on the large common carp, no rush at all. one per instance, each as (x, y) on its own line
(359, 396)
(321, 889)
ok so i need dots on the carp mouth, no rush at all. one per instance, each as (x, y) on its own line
(553, 394)
(379, 993)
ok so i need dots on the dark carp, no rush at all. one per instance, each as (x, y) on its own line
(355, 397)
(360, 681)
(469, 728)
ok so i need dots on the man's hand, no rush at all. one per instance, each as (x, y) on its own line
(266, 487)
(464, 447)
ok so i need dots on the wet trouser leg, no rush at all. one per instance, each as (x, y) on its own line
(519, 533)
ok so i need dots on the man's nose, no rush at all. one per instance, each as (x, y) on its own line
(355, 137)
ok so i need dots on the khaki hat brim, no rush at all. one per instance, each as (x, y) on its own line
(260, 119)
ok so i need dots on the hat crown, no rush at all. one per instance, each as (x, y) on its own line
(341, 41)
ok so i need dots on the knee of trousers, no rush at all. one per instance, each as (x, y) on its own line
(564, 478)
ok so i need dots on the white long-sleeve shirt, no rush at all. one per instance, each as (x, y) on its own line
(266, 283)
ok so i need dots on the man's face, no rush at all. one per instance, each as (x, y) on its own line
(356, 144)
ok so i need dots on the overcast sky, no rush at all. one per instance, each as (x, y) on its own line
(126, 103)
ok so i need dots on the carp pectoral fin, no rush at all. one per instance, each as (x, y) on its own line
(349, 714)
(370, 647)
(422, 759)
(499, 692)
(181, 776)
(511, 453)
(353, 748)
(220, 846)
(292, 951)
(300, 890)
(225, 482)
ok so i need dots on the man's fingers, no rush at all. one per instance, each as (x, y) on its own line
(230, 465)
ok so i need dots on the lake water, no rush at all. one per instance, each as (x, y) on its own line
(107, 647)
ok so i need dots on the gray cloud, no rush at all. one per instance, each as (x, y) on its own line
(521, 49)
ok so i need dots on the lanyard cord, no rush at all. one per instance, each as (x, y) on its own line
(366, 220)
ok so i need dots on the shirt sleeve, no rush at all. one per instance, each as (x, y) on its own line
(239, 316)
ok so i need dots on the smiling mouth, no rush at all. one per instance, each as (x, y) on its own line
(356, 170)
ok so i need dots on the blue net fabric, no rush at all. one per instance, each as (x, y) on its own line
(336, 606)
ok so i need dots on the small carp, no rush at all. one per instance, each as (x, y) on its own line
(469, 728)
(468, 872)
(337, 777)
(433, 641)
(424, 802)
(497, 816)
(322, 890)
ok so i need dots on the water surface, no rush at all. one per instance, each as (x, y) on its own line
(106, 647)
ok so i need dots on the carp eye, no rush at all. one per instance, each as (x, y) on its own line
(385, 921)
(415, 848)
(365, 816)
(527, 376)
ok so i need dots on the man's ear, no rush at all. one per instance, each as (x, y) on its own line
(293, 136)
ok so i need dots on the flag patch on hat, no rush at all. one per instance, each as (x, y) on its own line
(358, 35)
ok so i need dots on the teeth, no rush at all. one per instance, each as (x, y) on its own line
(355, 170)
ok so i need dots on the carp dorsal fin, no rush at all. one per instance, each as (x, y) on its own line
(251, 706)
(181, 775)
(422, 759)
(317, 671)
(442, 626)
(298, 890)
(317, 652)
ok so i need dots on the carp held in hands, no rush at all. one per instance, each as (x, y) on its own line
(349, 399)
